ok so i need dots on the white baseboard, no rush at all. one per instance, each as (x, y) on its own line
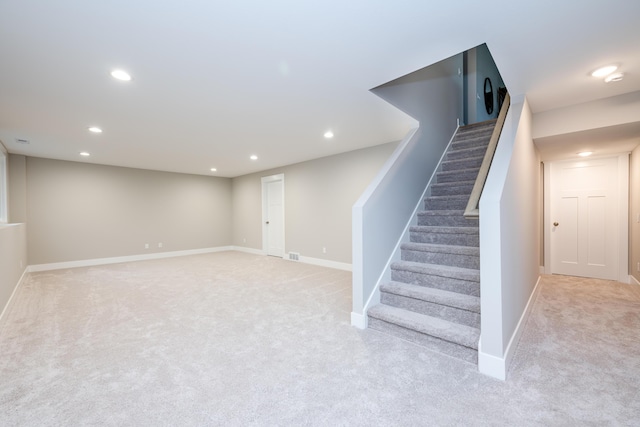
(326, 263)
(5, 310)
(247, 250)
(359, 320)
(497, 367)
(633, 280)
(130, 258)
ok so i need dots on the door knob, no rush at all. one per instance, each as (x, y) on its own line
(555, 224)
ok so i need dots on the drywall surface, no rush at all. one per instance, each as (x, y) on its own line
(616, 110)
(634, 213)
(17, 188)
(78, 211)
(509, 233)
(319, 195)
(13, 259)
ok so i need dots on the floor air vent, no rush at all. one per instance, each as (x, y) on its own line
(294, 256)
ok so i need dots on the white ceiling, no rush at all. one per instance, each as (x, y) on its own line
(215, 82)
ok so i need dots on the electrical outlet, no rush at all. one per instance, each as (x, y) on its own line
(160, 244)
(638, 218)
(324, 250)
(638, 268)
(146, 246)
(244, 240)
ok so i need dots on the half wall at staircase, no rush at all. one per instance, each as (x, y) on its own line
(434, 97)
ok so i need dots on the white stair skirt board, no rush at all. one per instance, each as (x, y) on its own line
(497, 367)
(130, 258)
(5, 309)
(359, 321)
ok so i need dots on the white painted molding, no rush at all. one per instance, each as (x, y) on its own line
(359, 320)
(326, 263)
(130, 258)
(497, 367)
(491, 365)
(541, 269)
(5, 310)
(633, 280)
(248, 250)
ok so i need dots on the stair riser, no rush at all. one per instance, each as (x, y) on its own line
(457, 176)
(446, 221)
(456, 165)
(453, 203)
(465, 154)
(462, 144)
(474, 134)
(452, 314)
(451, 190)
(453, 260)
(452, 349)
(456, 239)
(437, 282)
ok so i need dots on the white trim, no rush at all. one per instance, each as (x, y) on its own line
(5, 310)
(385, 275)
(248, 250)
(497, 367)
(265, 180)
(326, 263)
(360, 321)
(633, 280)
(129, 258)
(541, 270)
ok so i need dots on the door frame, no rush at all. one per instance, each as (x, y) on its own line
(623, 212)
(265, 209)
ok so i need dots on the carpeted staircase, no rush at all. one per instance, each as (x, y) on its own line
(434, 296)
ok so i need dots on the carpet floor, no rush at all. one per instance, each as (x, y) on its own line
(233, 339)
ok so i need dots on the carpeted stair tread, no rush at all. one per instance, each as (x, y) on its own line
(462, 164)
(444, 229)
(457, 175)
(466, 153)
(446, 249)
(447, 298)
(466, 336)
(451, 218)
(448, 271)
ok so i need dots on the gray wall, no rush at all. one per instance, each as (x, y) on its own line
(479, 64)
(634, 211)
(319, 195)
(78, 211)
(17, 188)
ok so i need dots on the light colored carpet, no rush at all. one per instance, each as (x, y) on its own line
(233, 339)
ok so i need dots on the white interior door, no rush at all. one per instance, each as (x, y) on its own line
(273, 215)
(584, 218)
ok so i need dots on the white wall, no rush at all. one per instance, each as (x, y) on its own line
(13, 259)
(613, 111)
(509, 239)
(319, 195)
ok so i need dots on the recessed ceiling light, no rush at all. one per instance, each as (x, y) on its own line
(214, 170)
(95, 129)
(616, 77)
(254, 157)
(84, 154)
(328, 134)
(121, 75)
(604, 71)
(585, 153)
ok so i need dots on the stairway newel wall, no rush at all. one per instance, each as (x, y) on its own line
(509, 241)
(434, 97)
